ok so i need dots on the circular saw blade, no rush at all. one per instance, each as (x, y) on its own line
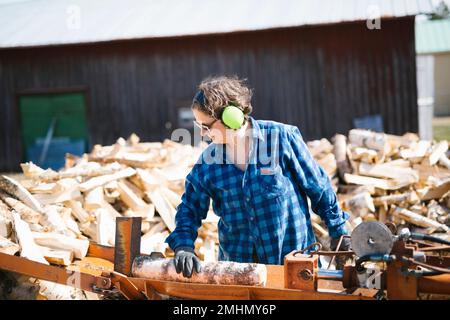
(372, 238)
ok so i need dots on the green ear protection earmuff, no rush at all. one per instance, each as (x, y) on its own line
(232, 116)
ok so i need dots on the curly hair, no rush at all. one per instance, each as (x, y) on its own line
(218, 92)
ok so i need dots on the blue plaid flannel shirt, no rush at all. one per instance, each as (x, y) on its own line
(264, 208)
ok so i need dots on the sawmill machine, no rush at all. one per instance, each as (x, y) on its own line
(384, 263)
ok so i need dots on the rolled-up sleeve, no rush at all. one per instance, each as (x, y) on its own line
(316, 184)
(190, 213)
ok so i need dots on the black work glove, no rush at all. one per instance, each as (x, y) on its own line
(345, 246)
(186, 261)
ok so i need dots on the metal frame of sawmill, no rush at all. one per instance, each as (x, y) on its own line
(100, 280)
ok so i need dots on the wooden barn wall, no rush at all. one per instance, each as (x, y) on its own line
(318, 78)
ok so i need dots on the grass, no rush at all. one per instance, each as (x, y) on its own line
(441, 128)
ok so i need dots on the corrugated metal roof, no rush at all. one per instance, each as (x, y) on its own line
(433, 36)
(53, 22)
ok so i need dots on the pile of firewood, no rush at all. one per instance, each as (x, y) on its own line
(387, 178)
(50, 216)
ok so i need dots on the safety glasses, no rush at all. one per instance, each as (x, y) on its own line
(200, 99)
(204, 127)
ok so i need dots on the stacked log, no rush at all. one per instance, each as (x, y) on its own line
(50, 216)
(388, 178)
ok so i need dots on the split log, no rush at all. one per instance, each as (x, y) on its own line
(211, 217)
(69, 190)
(171, 196)
(155, 242)
(121, 153)
(172, 173)
(417, 151)
(36, 227)
(90, 229)
(444, 161)
(406, 140)
(48, 188)
(437, 212)
(434, 192)
(30, 170)
(148, 180)
(58, 241)
(55, 291)
(26, 213)
(164, 208)
(359, 204)
(340, 153)
(90, 169)
(382, 214)
(156, 228)
(52, 219)
(409, 197)
(16, 190)
(134, 202)
(106, 227)
(113, 212)
(78, 211)
(376, 182)
(94, 199)
(110, 191)
(134, 187)
(222, 272)
(386, 171)
(133, 140)
(71, 160)
(136, 180)
(160, 176)
(328, 163)
(28, 247)
(8, 247)
(417, 219)
(4, 210)
(318, 147)
(398, 163)
(58, 257)
(145, 226)
(426, 171)
(438, 151)
(364, 155)
(69, 221)
(208, 251)
(369, 139)
(5, 227)
(101, 180)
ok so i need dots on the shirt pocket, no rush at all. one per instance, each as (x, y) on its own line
(272, 185)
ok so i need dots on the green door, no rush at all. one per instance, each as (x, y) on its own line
(61, 117)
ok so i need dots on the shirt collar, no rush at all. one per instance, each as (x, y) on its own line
(256, 133)
(256, 130)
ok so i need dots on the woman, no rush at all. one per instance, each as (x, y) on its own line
(258, 175)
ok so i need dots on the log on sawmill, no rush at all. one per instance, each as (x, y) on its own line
(221, 272)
